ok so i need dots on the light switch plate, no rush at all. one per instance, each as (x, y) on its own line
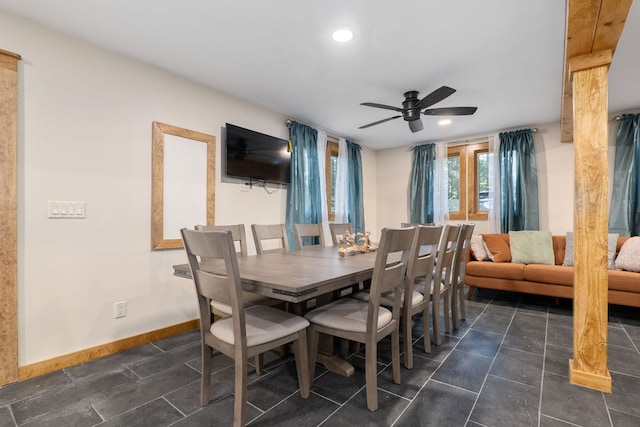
(66, 210)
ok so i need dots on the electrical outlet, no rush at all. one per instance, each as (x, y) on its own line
(119, 309)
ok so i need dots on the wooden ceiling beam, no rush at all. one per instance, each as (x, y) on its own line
(592, 26)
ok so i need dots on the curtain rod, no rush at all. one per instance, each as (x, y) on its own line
(289, 121)
(468, 141)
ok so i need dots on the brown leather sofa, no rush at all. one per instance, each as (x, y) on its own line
(550, 280)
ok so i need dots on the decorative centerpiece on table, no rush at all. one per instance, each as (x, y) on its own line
(358, 243)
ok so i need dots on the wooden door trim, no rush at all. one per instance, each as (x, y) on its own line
(8, 217)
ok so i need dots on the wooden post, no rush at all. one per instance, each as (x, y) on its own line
(8, 217)
(590, 217)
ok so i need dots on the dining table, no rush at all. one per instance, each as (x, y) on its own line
(297, 277)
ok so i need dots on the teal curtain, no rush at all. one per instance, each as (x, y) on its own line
(421, 184)
(356, 206)
(624, 214)
(519, 208)
(303, 195)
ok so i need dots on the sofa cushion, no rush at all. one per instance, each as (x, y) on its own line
(531, 247)
(558, 248)
(504, 270)
(627, 281)
(498, 247)
(629, 256)
(612, 244)
(554, 274)
(478, 249)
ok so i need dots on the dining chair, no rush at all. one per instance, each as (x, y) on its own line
(439, 287)
(414, 224)
(460, 265)
(308, 230)
(222, 309)
(237, 234)
(276, 233)
(338, 229)
(369, 322)
(246, 332)
(420, 266)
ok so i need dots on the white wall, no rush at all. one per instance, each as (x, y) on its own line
(84, 134)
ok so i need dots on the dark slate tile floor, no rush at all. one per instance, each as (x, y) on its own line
(507, 365)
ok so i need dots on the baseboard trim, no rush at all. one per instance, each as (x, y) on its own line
(82, 356)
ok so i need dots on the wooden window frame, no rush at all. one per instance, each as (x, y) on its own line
(473, 151)
(468, 157)
(332, 151)
(459, 151)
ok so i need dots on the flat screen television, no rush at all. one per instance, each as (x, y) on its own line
(255, 156)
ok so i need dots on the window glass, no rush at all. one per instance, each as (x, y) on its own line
(454, 183)
(331, 169)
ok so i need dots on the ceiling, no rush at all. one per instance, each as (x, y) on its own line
(505, 57)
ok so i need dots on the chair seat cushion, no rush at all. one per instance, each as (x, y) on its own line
(347, 314)
(421, 288)
(263, 324)
(387, 299)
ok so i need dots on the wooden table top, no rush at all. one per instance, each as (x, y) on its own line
(297, 276)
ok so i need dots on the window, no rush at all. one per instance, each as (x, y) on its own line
(468, 188)
(331, 170)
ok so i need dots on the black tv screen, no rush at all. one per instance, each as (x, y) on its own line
(255, 156)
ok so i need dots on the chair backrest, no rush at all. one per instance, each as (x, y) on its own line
(218, 247)
(462, 252)
(389, 272)
(413, 224)
(443, 273)
(271, 232)
(422, 258)
(338, 229)
(308, 230)
(237, 234)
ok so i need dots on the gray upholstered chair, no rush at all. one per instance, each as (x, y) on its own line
(421, 262)
(440, 286)
(245, 332)
(414, 224)
(308, 230)
(420, 267)
(276, 233)
(222, 309)
(457, 281)
(369, 322)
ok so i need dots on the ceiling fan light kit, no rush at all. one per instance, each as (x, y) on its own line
(412, 108)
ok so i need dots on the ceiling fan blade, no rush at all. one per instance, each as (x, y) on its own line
(450, 111)
(386, 107)
(415, 125)
(435, 97)
(379, 121)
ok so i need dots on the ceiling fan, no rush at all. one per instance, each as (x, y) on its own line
(412, 108)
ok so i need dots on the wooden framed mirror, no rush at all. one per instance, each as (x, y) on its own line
(183, 183)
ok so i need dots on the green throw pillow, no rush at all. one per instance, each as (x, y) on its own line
(531, 247)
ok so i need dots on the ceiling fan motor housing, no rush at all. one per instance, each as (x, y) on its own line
(409, 110)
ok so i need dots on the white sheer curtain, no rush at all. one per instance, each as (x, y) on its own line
(440, 188)
(322, 158)
(342, 183)
(494, 184)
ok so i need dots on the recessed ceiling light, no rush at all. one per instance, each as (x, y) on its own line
(444, 122)
(342, 35)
